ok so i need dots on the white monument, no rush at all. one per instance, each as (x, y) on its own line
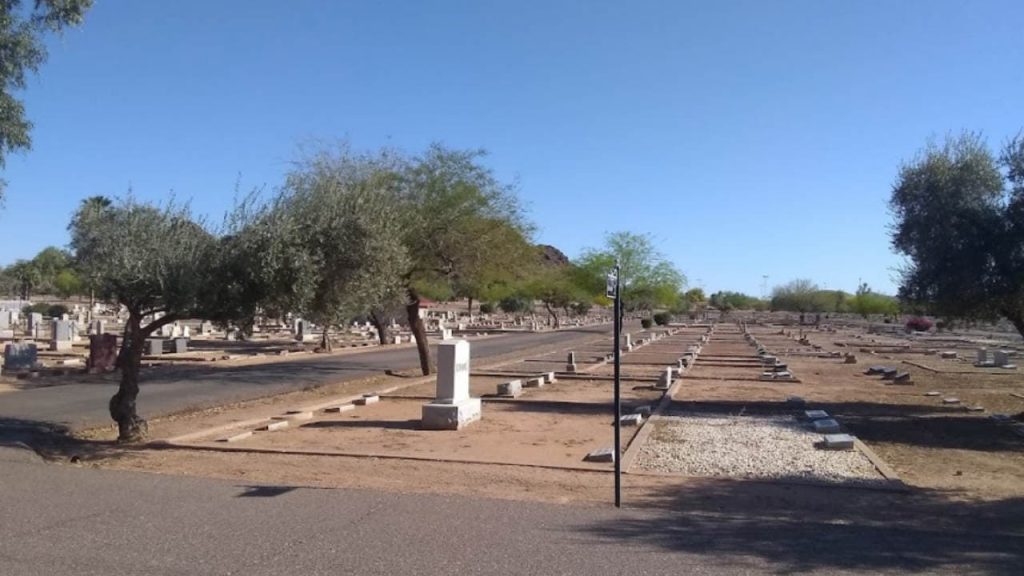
(452, 407)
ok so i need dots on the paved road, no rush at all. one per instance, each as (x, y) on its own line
(79, 406)
(62, 520)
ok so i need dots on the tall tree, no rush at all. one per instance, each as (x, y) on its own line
(459, 222)
(959, 221)
(799, 295)
(153, 261)
(22, 52)
(348, 207)
(648, 280)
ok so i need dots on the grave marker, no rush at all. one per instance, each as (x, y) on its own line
(452, 408)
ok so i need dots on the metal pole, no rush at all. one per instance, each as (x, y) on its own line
(618, 406)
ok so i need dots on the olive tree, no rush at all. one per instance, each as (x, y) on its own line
(153, 261)
(959, 220)
(347, 205)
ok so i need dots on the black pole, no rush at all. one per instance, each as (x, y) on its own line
(618, 405)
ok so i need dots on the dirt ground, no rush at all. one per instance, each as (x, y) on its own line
(961, 467)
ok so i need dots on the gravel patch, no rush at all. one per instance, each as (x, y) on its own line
(748, 447)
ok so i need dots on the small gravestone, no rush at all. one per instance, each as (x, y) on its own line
(902, 378)
(975, 408)
(98, 327)
(367, 399)
(570, 363)
(949, 355)
(826, 426)
(838, 442)
(35, 323)
(982, 357)
(1002, 359)
(102, 352)
(889, 373)
(154, 347)
(665, 379)
(874, 370)
(644, 411)
(452, 407)
(511, 389)
(446, 333)
(20, 356)
(63, 335)
(631, 419)
(629, 343)
(950, 400)
(815, 414)
(534, 382)
(340, 408)
(179, 346)
(933, 393)
(850, 359)
(601, 455)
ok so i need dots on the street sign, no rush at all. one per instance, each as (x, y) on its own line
(610, 289)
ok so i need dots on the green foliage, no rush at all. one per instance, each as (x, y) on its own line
(459, 224)
(662, 318)
(23, 52)
(647, 279)
(797, 296)
(866, 303)
(487, 308)
(147, 258)
(960, 223)
(646, 323)
(67, 283)
(726, 301)
(515, 304)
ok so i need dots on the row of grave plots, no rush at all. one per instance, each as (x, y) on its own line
(729, 416)
(26, 357)
(726, 421)
(557, 420)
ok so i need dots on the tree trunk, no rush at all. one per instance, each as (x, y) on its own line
(325, 340)
(126, 345)
(553, 314)
(419, 331)
(382, 330)
(131, 428)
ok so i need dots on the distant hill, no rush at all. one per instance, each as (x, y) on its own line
(551, 256)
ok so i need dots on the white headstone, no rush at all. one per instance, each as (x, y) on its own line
(452, 371)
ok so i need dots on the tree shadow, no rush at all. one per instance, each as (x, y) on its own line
(55, 442)
(807, 528)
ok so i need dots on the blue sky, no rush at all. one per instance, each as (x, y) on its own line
(748, 138)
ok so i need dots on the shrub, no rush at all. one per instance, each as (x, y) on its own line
(646, 323)
(662, 318)
(514, 304)
(487, 308)
(919, 324)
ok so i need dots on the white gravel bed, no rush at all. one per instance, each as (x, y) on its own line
(748, 447)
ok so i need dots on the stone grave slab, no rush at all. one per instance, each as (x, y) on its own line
(826, 426)
(601, 455)
(838, 442)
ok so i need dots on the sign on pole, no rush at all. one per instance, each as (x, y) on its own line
(610, 289)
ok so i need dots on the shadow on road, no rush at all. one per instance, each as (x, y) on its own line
(806, 528)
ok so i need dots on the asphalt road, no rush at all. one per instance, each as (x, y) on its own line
(79, 406)
(61, 520)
